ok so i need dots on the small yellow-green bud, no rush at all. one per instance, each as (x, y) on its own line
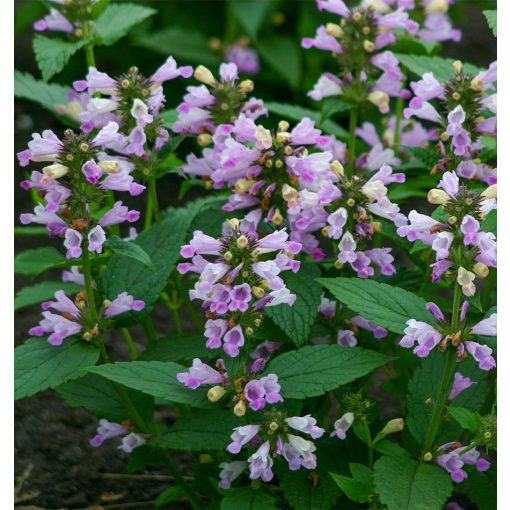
(393, 426)
(234, 223)
(452, 220)
(283, 125)
(351, 202)
(106, 303)
(228, 256)
(87, 336)
(338, 264)
(481, 270)
(288, 150)
(437, 6)
(356, 16)
(205, 458)
(242, 242)
(428, 457)
(269, 163)
(325, 231)
(369, 46)
(457, 66)
(258, 292)
(257, 322)
(216, 393)
(249, 331)
(437, 197)
(240, 408)
(490, 192)
(337, 168)
(334, 30)
(278, 163)
(476, 84)
(246, 86)
(283, 136)
(109, 166)
(273, 426)
(444, 136)
(289, 193)
(203, 75)
(377, 226)
(69, 157)
(204, 139)
(243, 185)
(55, 171)
(277, 218)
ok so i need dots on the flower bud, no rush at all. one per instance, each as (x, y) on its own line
(381, 100)
(437, 197)
(55, 171)
(214, 44)
(109, 166)
(452, 220)
(334, 30)
(203, 75)
(246, 86)
(490, 192)
(393, 426)
(87, 336)
(106, 303)
(263, 137)
(444, 136)
(437, 6)
(234, 223)
(249, 331)
(84, 147)
(377, 226)
(228, 256)
(273, 426)
(325, 231)
(258, 292)
(351, 202)
(337, 168)
(289, 193)
(374, 189)
(369, 46)
(428, 457)
(215, 393)
(283, 136)
(283, 125)
(242, 242)
(338, 264)
(243, 185)
(457, 66)
(257, 322)
(204, 139)
(277, 218)
(481, 270)
(240, 408)
(356, 16)
(476, 84)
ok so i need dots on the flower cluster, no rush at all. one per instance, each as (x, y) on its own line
(74, 317)
(108, 430)
(241, 281)
(454, 456)
(425, 337)
(70, 17)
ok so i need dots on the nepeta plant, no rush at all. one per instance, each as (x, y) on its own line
(330, 294)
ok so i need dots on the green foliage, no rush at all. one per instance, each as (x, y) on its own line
(387, 306)
(39, 365)
(168, 495)
(179, 348)
(42, 291)
(359, 487)
(492, 20)
(251, 15)
(129, 249)
(482, 489)
(466, 418)
(404, 484)
(296, 320)
(118, 19)
(34, 262)
(52, 54)
(247, 499)
(312, 371)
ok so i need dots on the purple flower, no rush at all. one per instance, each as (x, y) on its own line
(342, 425)
(486, 327)
(59, 328)
(232, 340)
(460, 383)
(214, 331)
(246, 59)
(242, 436)
(118, 214)
(422, 334)
(73, 240)
(130, 442)
(230, 471)
(107, 430)
(199, 374)
(123, 303)
(306, 424)
(260, 464)
(96, 238)
(378, 331)
(456, 456)
(258, 392)
(240, 296)
(346, 337)
(481, 354)
(55, 22)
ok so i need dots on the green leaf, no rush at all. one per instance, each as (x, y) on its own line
(168, 495)
(251, 14)
(43, 291)
(155, 378)
(492, 20)
(387, 306)
(441, 67)
(118, 19)
(404, 484)
(130, 250)
(39, 365)
(466, 419)
(282, 54)
(180, 348)
(297, 320)
(34, 262)
(203, 430)
(48, 95)
(98, 395)
(353, 489)
(169, 41)
(297, 113)
(414, 46)
(53, 54)
(390, 448)
(312, 371)
(30, 231)
(247, 499)
(490, 224)
(482, 489)
(333, 105)
(169, 117)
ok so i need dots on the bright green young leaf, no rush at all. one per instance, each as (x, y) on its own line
(43, 291)
(492, 20)
(34, 262)
(129, 249)
(118, 19)
(467, 419)
(387, 306)
(247, 499)
(251, 14)
(296, 113)
(297, 320)
(203, 430)
(52, 54)
(353, 489)
(404, 484)
(179, 348)
(155, 378)
(312, 371)
(39, 365)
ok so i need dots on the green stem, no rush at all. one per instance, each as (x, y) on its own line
(173, 305)
(154, 199)
(398, 115)
(370, 444)
(353, 121)
(89, 48)
(170, 464)
(446, 380)
(130, 343)
(149, 330)
(184, 294)
(148, 212)
(88, 284)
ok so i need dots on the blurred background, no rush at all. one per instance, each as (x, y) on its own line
(54, 464)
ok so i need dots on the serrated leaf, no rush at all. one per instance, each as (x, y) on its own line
(283, 55)
(492, 20)
(354, 489)
(441, 67)
(52, 54)
(98, 395)
(179, 348)
(34, 262)
(296, 320)
(467, 419)
(155, 378)
(129, 249)
(414, 46)
(387, 306)
(39, 365)
(118, 19)
(48, 95)
(404, 484)
(312, 371)
(203, 430)
(333, 105)
(251, 14)
(247, 499)
(297, 113)
(42, 291)
(169, 41)
(391, 448)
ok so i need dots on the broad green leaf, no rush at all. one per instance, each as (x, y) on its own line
(169, 495)
(482, 489)
(414, 46)
(387, 306)
(312, 371)
(251, 14)
(441, 67)
(179, 348)
(52, 54)
(248, 499)
(467, 419)
(362, 473)
(354, 489)
(43, 291)
(296, 320)
(203, 430)
(492, 20)
(99, 396)
(154, 378)
(404, 484)
(51, 96)
(293, 112)
(333, 105)
(118, 19)
(283, 55)
(39, 365)
(34, 262)
(169, 41)
(391, 448)
(130, 250)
